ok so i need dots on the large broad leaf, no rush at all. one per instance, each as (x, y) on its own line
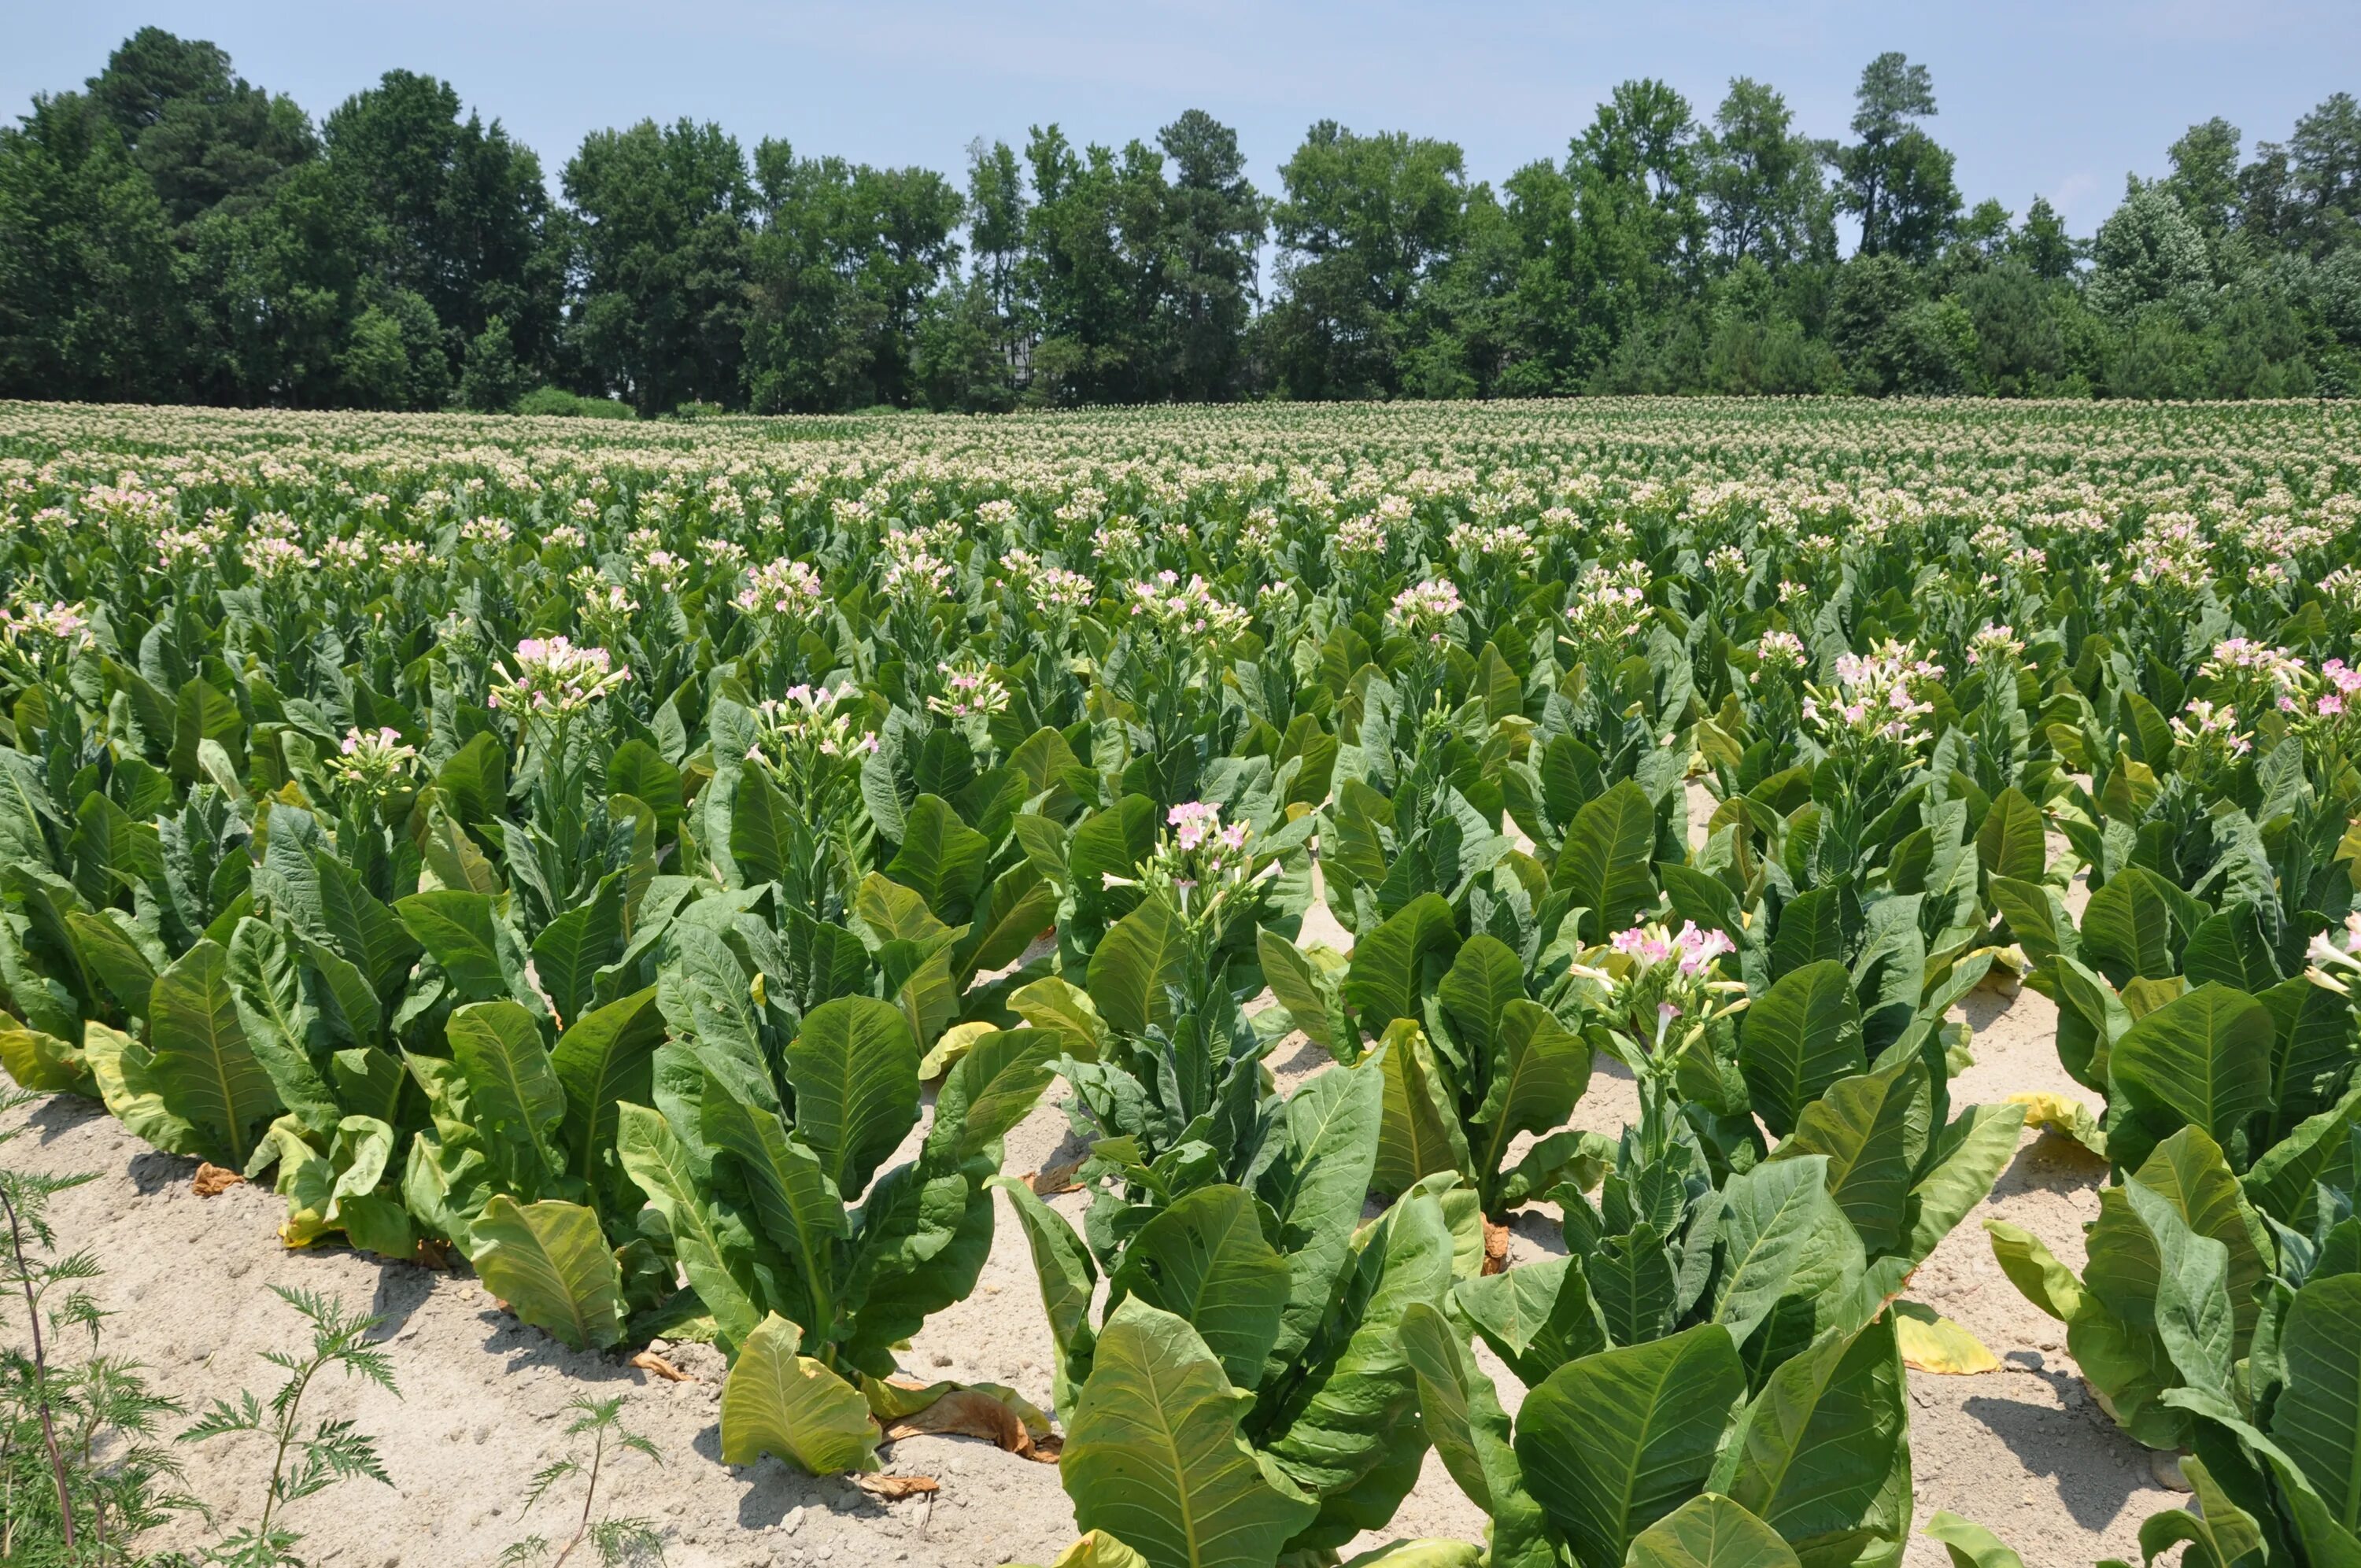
(1869, 1125)
(1536, 1316)
(1068, 1278)
(605, 1058)
(1604, 867)
(1540, 1069)
(1311, 995)
(1396, 965)
(1614, 1442)
(288, 1033)
(2202, 1059)
(799, 1209)
(551, 1264)
(1709, 1531)
(2318, 1417)
(2193, 1316)
(1203, 1259)
(778, 1401)
(1314, 1172)
(513, 1093)
(1815, 1451)
(1138, 957)
(1784, 1238)
(2127, 927)
(941, 858)
(1971, 1545)
(1461, 1413)
(2012, 842)
(1347, 1442)
(572, 949)
(1797, 1039)
(713, 1245)
(1968, 1157)
(1632, 1279)
(760, 835)
(1154, 1457)
(855, 1068)
(201, 1062)
(1421, 1134)
(455, 925)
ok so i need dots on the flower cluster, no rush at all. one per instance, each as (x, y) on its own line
(1655, 975)
(1199, 861)
(1875, 699)
(556, 680)
(2209, 732)
(375, 761)
(1995, 644)
(1611, 607)
(781, 588)
(1428, 610)
(1190, 610)
(53, 628)
(811, 743)
(970, 691)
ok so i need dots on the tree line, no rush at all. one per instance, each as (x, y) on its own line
(171, 232)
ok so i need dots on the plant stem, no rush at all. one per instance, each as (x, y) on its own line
(598, 1458)
(40, 1370)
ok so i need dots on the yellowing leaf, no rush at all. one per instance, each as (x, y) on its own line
(1932, 1342)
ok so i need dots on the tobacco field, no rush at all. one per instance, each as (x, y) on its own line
(1544, 985)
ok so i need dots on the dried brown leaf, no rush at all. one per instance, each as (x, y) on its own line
(966, 1413)
(893, 1489)
(649, 1361)
(213, 1180)
(1050, 1181)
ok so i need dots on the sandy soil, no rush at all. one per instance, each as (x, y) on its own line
(2023, 1450)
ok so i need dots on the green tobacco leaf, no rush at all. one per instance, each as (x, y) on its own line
(606, 1058)
(1614, 1442)
(1711, 1531)
(1395, 966)
(514, 1094)
(2192, 1310)
(572, 949)
(550, 1263)
(1203, 1259)
(1969, 1544)
(1313, 1174)
(1310, 997)
(1605, 865)
(1812, 1456)
(778, 1401)
(942, 860)
(760, 837)
(1536, 1316)
(2127, 927)
(2037, 1275)
(289, 1034)
(200, 1063)
(855, 1068)
(1421, 1134)
(1797, 1039)
(456, 925)
(713, 1245)
(2318, 1417)
(1968, 1157)
(2011, 843)
(45, 1064)
(1539, 1071)
(1867, 1125)
(1068, 1277)
(1136, 960)
(1782, 1238)
(1344, 1443)
(2202, 1059)
(1461, 1413)
(1154, 1457)
(1632, 1279)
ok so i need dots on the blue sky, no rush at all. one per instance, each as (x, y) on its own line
(2061, 98)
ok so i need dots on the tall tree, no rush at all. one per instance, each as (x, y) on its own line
(1213, 233)
(88, 303)
(1895, 179)
(206, 136)
(1366, 222)
(1761, 179)
(663, 226)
